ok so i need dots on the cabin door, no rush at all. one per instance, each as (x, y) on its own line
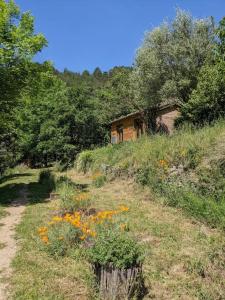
(120, 133)
(138, 125)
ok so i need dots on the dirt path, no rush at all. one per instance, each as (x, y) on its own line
(7, 231)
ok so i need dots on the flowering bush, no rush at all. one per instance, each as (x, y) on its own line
(58, 239)
(64, 232)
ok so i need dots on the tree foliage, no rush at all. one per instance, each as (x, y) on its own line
(207, 101)
(57, 121)
(18, 44)
(168, 63)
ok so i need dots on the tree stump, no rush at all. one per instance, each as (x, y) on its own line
(118, 284)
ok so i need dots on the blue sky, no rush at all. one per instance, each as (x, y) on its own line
(84, 34)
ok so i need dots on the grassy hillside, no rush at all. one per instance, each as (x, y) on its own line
(186, 170)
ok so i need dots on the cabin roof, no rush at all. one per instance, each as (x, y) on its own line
(164, 105)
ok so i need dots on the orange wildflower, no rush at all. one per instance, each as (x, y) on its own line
(45, 239)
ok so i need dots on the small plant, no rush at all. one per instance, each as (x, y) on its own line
(44, 176)
(65, 231)
(115, 248)
(99, 179)
(72, 200)
(84, 161)
(117, 263)
(57, 240)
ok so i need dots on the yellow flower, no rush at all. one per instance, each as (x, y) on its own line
(183, 153)
(57, 219)
(82, 237)
(42, 230)
(123, 208)
(123, 226)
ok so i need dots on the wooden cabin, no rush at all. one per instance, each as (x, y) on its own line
(132, 126)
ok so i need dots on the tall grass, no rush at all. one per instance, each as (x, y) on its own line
(182, 169)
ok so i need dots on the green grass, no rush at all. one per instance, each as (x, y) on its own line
(38, 275)
(185, 170)
(183, 258)
(11, 184)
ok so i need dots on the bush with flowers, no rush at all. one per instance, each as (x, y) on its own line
(73, 229)
(100, 236)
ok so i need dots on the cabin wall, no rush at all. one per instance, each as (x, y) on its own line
(128, 129)
(166, 118)
(165, 124)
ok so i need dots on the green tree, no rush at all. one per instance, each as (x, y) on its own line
(56, 121)
(168, 63)
(18, 44)
(207, 101)
(40, 140)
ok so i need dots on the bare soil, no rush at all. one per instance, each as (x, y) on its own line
(7, 232)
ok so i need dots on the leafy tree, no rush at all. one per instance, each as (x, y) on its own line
(18, 44)
(207, 101)
(220, 31)
(39, 139)
(97, 73)
(55, 121)
(116, 94)
(109, 89)
(168, 63)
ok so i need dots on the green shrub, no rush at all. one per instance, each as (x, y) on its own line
(84, 161)
(47, 178)
(115, 248)
(99, 181)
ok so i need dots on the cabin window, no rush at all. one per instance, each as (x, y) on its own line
(120, 133)
(138, 125)
(113, 140)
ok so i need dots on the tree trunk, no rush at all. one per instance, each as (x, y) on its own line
(150, 119)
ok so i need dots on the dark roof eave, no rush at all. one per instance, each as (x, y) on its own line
(164, 106)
